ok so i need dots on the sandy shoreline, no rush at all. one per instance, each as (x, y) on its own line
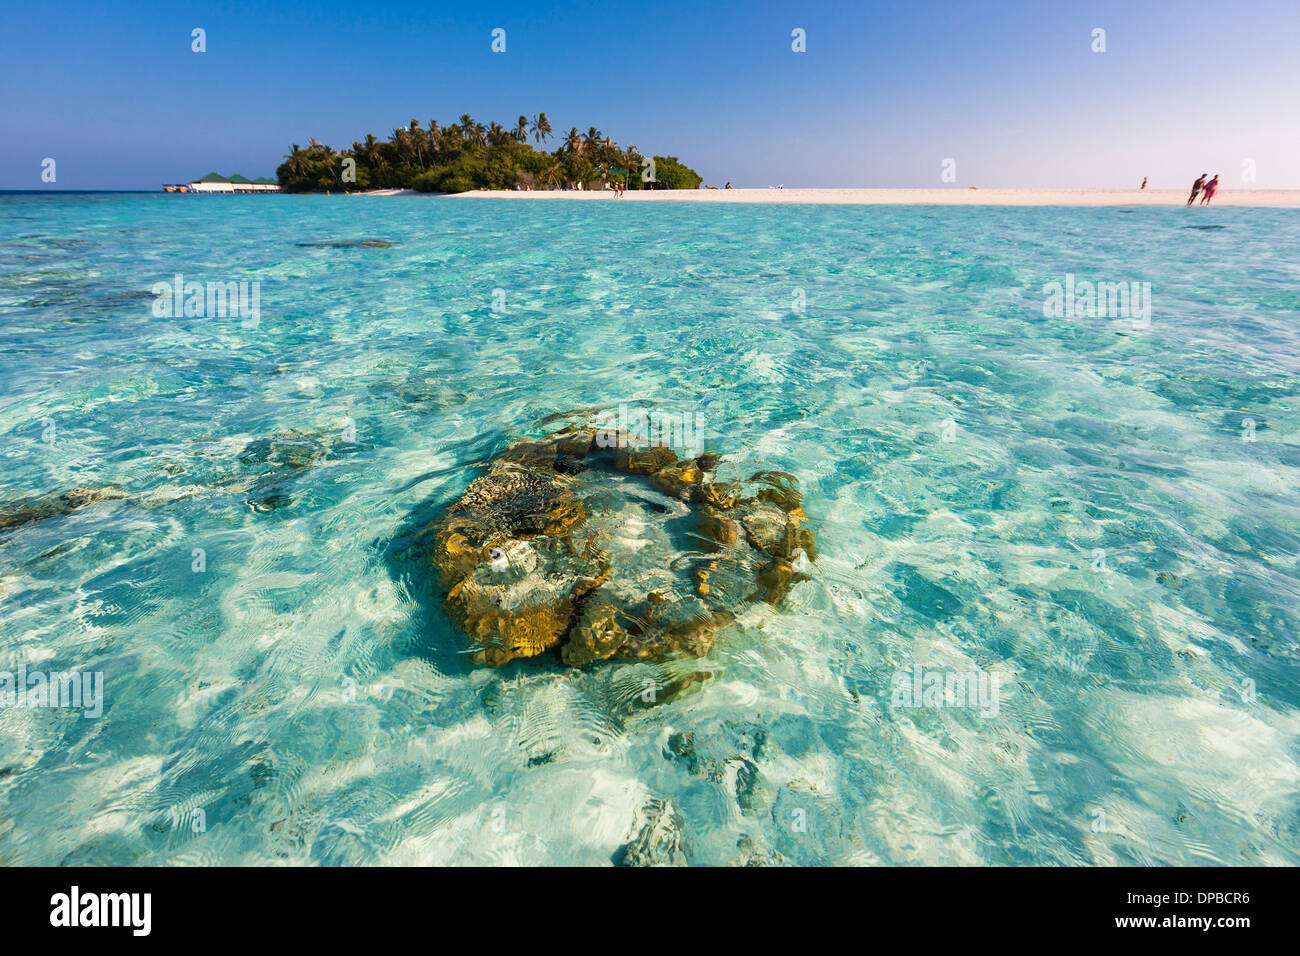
(1279, 198)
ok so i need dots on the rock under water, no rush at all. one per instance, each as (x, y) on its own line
(15, 514)
(260, 470)
(584, 543)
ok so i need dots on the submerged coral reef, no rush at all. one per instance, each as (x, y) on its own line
(591, 542)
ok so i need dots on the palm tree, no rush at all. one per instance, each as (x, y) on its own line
(521, 128)
(417, 141)
(573, 142)
(497, 134)
(633, 167)
(551, 174)
(296, 161)
(402, 140)
(330, 161)
(364, 152)
(541, 128)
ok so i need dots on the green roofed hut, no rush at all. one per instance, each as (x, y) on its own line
(216, 183)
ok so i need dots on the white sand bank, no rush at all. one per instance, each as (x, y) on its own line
(1289, 198)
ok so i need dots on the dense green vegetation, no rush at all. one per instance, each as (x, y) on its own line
(468, 155)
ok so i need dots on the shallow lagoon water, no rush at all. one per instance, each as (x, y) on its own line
(1070, 507)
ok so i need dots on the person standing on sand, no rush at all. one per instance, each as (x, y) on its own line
(1211, 188)
(1196, 188)
(1144, 183)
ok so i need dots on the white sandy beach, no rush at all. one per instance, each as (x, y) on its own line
(1287, 198)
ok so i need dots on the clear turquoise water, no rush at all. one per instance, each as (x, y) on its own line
(305, 694)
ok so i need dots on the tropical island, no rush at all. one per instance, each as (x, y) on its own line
(466, 155)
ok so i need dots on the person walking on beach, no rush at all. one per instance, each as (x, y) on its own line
(1211, 188)
(1196, 188)
(1144, 183)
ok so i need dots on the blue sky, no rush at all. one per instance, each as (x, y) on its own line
(884, 94)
